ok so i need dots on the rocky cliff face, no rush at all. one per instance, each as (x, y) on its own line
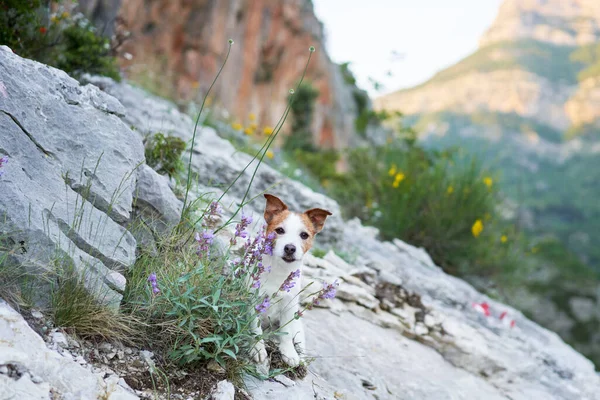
(178, 47)
(400, 327)
(561, 22)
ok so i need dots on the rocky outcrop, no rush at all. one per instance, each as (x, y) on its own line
(583, 107)
(562, 22)
(69, 186)
(217, 162)
(177, 47)
(504, 91)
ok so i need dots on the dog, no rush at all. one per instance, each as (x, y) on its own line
(295, 233)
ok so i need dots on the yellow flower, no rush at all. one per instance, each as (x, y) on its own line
(253, 126)
(252, 117)
(54, 19)
(65, 15)
(450, 190)
(477, 228)
(488, 181)
(267, 130)
(195, 85)
(209, 100)
(399, 178)
(270, 154)
(236, 126)
(503, 239)
(248, 131)
(392, 170)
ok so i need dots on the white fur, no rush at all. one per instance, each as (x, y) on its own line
(284, 305)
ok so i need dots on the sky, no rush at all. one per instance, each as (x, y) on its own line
(401, 43)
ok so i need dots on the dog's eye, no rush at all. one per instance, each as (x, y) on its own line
(304, 235)
(280, 231)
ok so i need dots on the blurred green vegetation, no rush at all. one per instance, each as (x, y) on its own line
(65, 41)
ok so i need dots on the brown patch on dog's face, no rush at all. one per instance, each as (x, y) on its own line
(310, 229)
(276, 211)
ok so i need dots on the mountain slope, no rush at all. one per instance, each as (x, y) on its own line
(527, 102)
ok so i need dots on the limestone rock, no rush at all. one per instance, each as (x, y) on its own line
(43, 373)
(71, 177)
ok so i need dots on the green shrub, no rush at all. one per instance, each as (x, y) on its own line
(302, 110)
(163, 153)
(435, 200)
(63, 41)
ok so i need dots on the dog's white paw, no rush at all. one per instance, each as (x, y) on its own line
(290, 355)
(261, 358)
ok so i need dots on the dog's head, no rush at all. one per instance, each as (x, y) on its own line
(294, 232)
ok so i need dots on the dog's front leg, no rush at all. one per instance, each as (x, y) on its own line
(292, 332)
(259, 351)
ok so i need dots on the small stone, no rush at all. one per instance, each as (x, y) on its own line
(37, 315)
(285, 381)
(128, 351)
(112, 355)
(224, 391)
(105, 347)
(3, 369)
(59, 339)
(421, 329)
(36, 379)
(80, 360)
(214, 366)
(121, 354)
(429, 321)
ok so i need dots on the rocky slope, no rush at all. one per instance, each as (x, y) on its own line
(400, 327)
(177, 47)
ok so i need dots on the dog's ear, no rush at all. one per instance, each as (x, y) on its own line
(317, 216)
(274, 206)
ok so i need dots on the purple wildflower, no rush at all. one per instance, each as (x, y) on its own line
(3, 161)
(260, 269)
(213, 214)
(289, 283)
(255, 249)
(240, 229)
(329, 290)
(214, 209)
(152, 280)
(262, 307)
(204, 240)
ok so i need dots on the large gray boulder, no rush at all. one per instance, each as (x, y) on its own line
(69, 184)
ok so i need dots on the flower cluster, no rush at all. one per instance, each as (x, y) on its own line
(328, 292)
(289, 283)
(3, 161)
(240, 231)
(264, 306)
(205, 240)
(477, 228)
(260, 269)
(152, 280)
(254, 251)
(213, 215)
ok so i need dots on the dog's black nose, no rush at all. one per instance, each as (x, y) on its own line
(289, 249)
